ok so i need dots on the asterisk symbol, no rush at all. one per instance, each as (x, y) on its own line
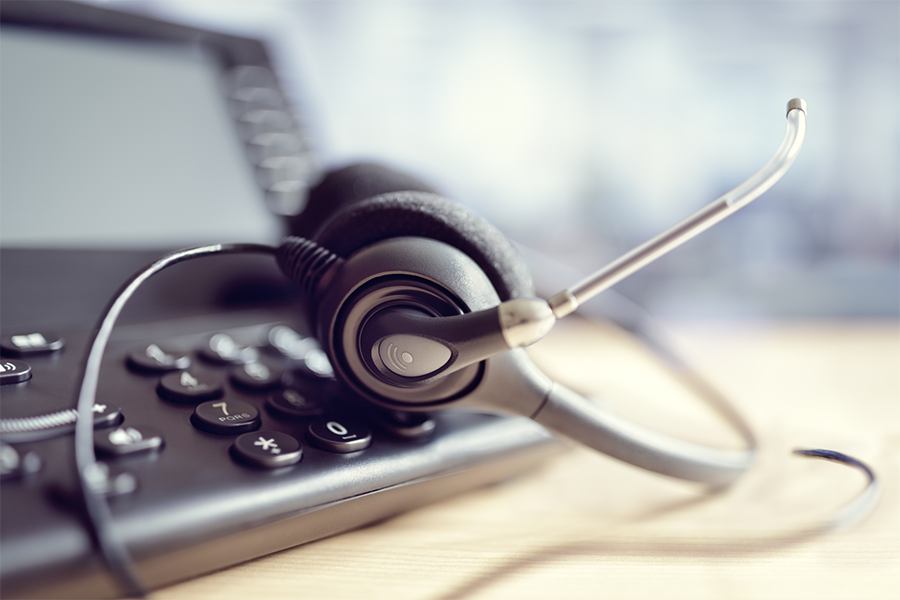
(265, 444)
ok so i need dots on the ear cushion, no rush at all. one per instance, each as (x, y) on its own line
(423, 214)
(348, 185)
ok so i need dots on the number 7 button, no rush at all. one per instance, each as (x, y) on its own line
(225, 416)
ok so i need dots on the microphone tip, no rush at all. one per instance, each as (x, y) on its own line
(798, 103)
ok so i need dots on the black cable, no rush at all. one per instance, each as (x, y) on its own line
(860, 506)
(92, 477)
(632, 317)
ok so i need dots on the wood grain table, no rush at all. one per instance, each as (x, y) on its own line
(585, 526)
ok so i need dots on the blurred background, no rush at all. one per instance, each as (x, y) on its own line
(579, 128)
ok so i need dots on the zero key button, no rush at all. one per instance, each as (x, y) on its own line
(267, 449)
(184, 386)
(339, 434)
(14, 371)
(225, 416)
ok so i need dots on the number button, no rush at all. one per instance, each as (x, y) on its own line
(27, 344)
(123, 441)
(256, 376)
(315, 366)
(14, 371)
(293, 403)
(154, 359)
(14, 464)
(267, 449)
(339, 434)
(107, 415)
(184, 386)
(225, 416)
(224, 350)
(290, 344)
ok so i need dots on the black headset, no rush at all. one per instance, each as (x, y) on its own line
(422, 305)
(404, 289)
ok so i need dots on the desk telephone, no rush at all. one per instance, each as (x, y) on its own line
(271, 395)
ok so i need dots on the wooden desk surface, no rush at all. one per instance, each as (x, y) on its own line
(586, 526)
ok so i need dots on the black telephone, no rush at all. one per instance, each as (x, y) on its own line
(217, 413)
(226, 426)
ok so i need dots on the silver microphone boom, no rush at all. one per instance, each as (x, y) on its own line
(523, 321)
(566, 301)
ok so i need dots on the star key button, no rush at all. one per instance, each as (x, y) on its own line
(186, 387)
(267, 449)
(225, 417)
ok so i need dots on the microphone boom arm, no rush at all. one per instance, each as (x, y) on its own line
(568, 300)
(442, 346)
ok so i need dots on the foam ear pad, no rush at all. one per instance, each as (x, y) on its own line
(365, 203)
(362, 222)
(348, 185)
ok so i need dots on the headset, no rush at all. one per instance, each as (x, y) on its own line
(421, 305)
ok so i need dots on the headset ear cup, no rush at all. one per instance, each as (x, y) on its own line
(422, 214)
(344, 187)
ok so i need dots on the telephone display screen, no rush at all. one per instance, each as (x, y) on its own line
(109, 142)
